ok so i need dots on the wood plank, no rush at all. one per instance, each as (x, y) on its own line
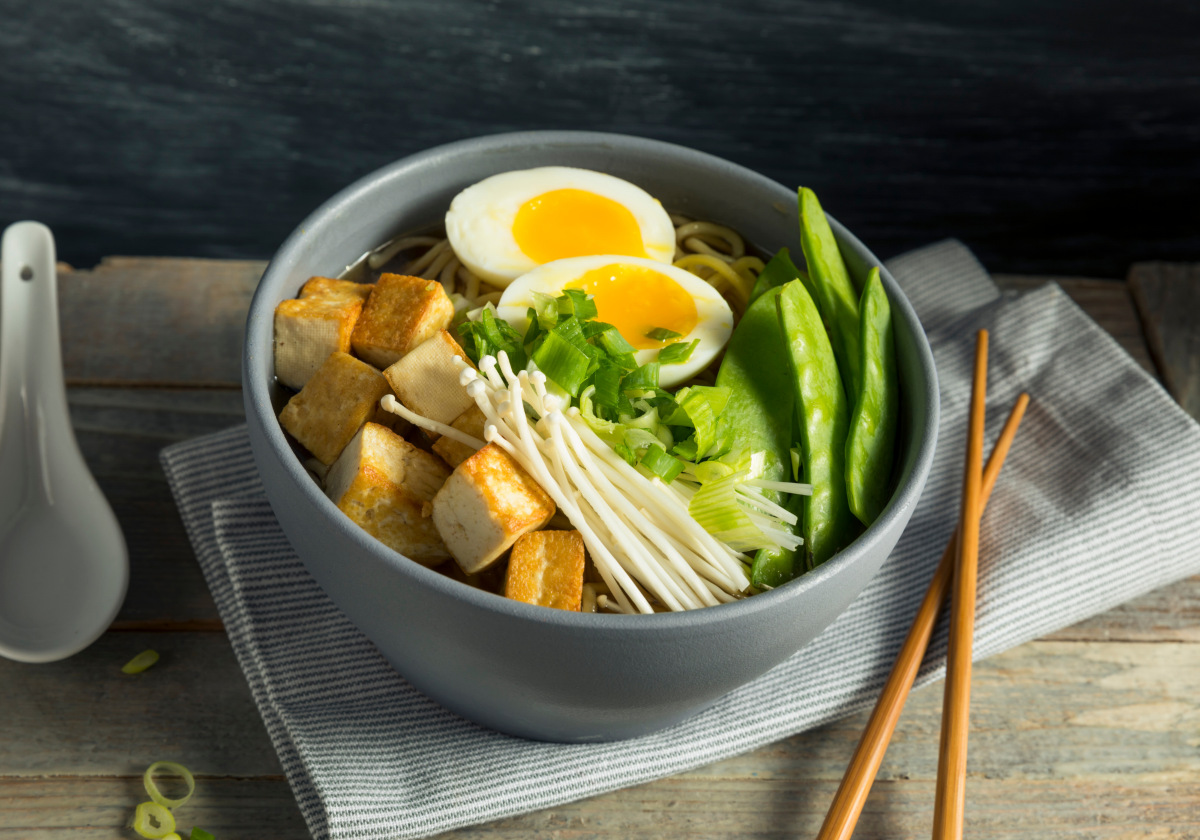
(1168, 298)
(156, 321)
(1108, 302)
(84, 717)
(683, 807)
(1064, 736)
(121, 431)
(98, 808)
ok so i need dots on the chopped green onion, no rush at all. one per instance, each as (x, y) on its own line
(140, 663)
(643, 379)
(591, 329)
(580, 304)
(677, 354)
(562, 362)
(607, 380)
(199, 833)
(637, 439)
(153, 821)
(615, 343)
(661, 464)
(700, 407)
(176, 770)
(686, 449)
(626, 453)
(569, 329)
(545, 309)
(662, 334)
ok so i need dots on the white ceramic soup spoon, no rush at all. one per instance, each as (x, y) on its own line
(63, 563)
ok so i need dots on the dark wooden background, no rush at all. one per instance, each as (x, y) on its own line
(1051, 137)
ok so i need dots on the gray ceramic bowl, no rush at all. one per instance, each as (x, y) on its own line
(525, 670)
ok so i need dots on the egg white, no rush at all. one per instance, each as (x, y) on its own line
(714, 318)
(480, 220)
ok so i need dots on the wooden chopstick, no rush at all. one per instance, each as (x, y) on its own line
(864, 765)
(950, 799)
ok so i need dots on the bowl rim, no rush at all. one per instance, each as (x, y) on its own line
(258, 339)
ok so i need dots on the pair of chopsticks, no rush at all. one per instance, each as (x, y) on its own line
(958, 567)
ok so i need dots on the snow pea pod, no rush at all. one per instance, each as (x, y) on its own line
(823, 413)
(759, 408)
(775, 273)
(831, 286)
(871, 442)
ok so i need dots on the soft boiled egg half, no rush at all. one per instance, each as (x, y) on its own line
(637, 296)
(508, 224)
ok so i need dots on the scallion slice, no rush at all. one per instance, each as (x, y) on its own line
(153, 821)
(644, 378)
(174, 769)
(562, 362)
(140, 663)
(615, 343)
(661, 464)
(677, 354)
(545, 309)
(607, 382)
(581, 304)
(662, 334)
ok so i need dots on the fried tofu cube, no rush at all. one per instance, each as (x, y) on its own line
(318, 323)
(401, 313)
(426, 379)
(546, 568)
(385, 485)
(330, 409)
(470, 422)
(486, 504)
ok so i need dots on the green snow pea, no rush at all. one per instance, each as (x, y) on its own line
(831, 286)
(872, 438)
(823, 413)
(760, 406)
(775, 273)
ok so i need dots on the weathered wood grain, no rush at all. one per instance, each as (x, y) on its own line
(1027, 129)
(98, 808)
(1168, 298)
(121, 431)
(1107, 746)
(84, 717)
(683, 807)
(156, 321)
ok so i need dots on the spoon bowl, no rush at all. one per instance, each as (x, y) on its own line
(64, 567)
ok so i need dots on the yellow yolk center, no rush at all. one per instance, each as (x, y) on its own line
(575, 223)
(637, 300)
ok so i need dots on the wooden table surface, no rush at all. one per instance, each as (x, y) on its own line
(1093, 731)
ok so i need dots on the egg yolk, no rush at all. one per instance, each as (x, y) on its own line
(637, 300)
(575, 223)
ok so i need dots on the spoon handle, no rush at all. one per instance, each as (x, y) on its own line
(33, 399)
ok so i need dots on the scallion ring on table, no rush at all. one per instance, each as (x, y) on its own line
(174, 769)
(153, 821)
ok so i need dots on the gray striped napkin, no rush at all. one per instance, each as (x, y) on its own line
(1097, 504)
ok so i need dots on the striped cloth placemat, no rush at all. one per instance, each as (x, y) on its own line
(1097, 504)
